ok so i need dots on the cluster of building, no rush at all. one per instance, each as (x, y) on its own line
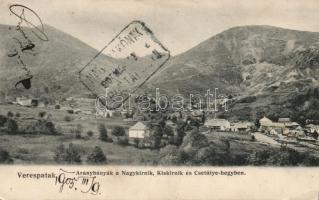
(141, 130)
(282, 127)
(29, 102)
(285, 127)
(225, 125)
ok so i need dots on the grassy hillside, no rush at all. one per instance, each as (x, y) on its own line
(54, 64)
(270, 63)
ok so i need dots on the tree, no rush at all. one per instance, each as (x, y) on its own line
(315, 135)
(10, 114)
(89, 133)
(168, 130)
(12, 126)
(180, 132)
(78, 131)
(194, 140)
(42, 126)
(180, 115)
(203, 117)
(118, 131)
(97, 156)
(72, 155)
(5, 157)
(196, 123)
(169, 155)
(207, 156)
(103, 132)
(59, 156)
(157, 137)
(174, 119)
(3, 120)
(68, 155)
(42, 114)
(123, 141)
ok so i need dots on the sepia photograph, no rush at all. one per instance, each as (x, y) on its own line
(158, 84)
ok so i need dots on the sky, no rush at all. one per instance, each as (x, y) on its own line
(179, 25)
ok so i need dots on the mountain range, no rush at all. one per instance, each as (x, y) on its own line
(265, 70)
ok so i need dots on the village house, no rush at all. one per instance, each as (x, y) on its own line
(241, 126)
(265, 122)
(291, 125)
(24, 101)
(276, 128)
(273, 128)
(284, 120)
(297, 132)
(139, 131)
(288, 123)
(218, 124)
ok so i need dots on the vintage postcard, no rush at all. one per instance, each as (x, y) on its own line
(136, 99)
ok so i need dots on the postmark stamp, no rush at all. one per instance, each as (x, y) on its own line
(125, 63)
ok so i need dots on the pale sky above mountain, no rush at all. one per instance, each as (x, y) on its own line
(179, 25)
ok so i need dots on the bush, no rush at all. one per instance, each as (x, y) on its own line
(168, 130)
(42, 114)
(169, 155)
(156, 137)
(70, 155)
(17, 114)
(57, 107)
(11, 126)
(118, 131)
(60, 154)
(70, 111)
(3, 120)
(103, 133)
(23, 151)
(78, 131)
(67, 118)
(284, 157)
(96, 156)
(5, 157)
(136, 142)
(10, 114)
(123, 141)
(42, 127)
(248, 99)
(89, 133)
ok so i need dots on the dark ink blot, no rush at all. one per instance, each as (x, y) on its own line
(25, 82)
(29, 46)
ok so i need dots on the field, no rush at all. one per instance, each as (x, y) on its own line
(39, 149)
